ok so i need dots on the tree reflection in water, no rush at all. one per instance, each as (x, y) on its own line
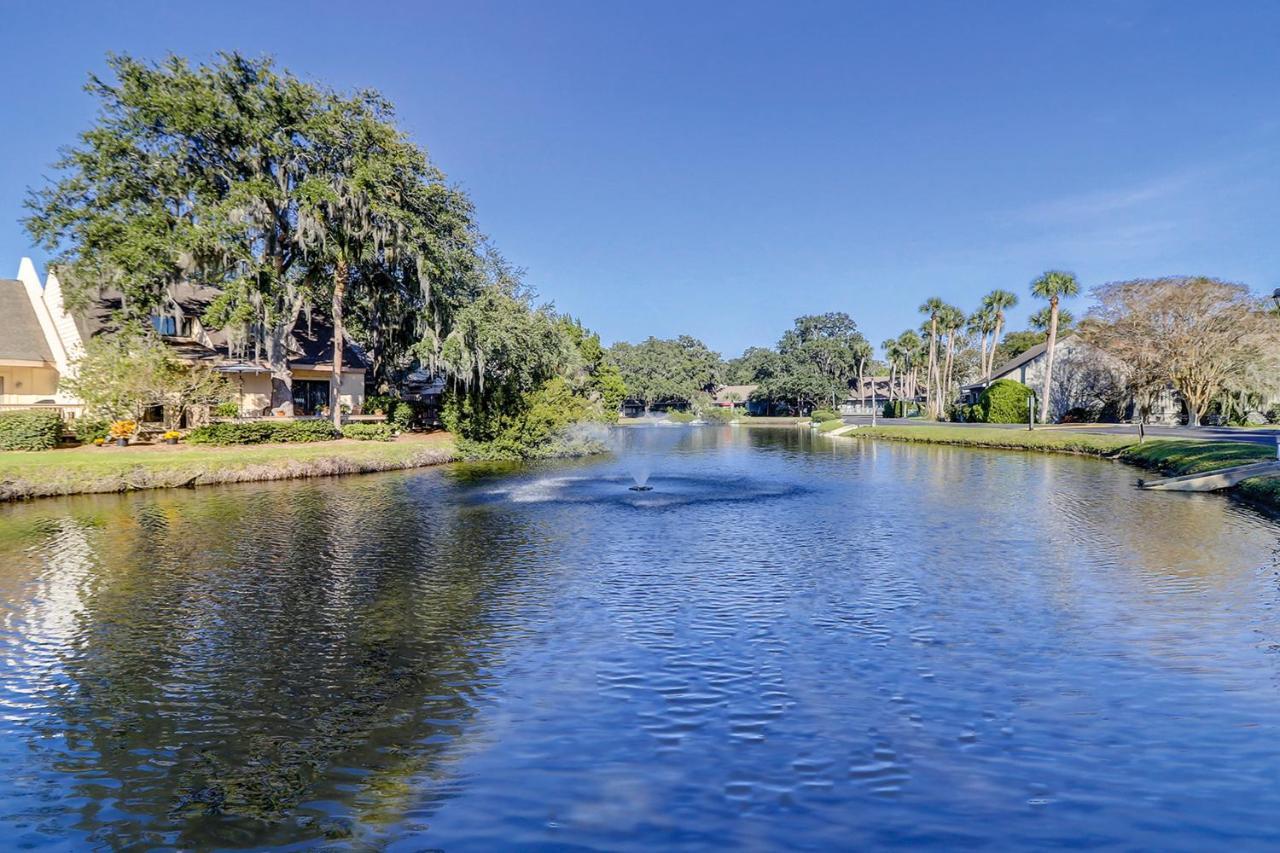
(232, 660)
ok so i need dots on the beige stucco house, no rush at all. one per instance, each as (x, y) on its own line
(40, 342)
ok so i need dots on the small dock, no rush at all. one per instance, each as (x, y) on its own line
(1211, 481)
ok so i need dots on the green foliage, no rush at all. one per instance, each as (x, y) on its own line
(1273, 414)
(121, 376)
(662, 372)
(823, 415)
(680, 417)
(1015, 344)
(30, 430)
(86, 430)
(814, 362)
(1003, 402)
(543, 428)
(369, 432)
(228, 409)
(897, 408)
(830, 426)
(718, 415)
(240, 176)
(380, 404)
(263, 432)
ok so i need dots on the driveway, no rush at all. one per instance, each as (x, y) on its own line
(1254, 436)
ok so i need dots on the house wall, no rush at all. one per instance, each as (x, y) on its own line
(28, 384)
(350, 389)
(255, 393)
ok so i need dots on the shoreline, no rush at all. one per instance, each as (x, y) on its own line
(92, 470)
(1167, 456)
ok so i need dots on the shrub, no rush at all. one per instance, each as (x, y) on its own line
(123, 429)
(262, 432)
(384, 403)
(30, 430)
(1273, 414)
(1003, 402)
(303, 431)
(823, 415)
(680, 417)
(369, 432)
(402, 416)
(229, 409)
(1080, 415)
(718, 415)
(829, 426)
(88, 430)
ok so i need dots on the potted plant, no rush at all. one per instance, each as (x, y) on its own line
(121, 430)
(171, 437)
(99, 442)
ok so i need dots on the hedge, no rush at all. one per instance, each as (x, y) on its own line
(1002, 402)
(369, 432)
(263, 432)
(30, 430)
(823, 415)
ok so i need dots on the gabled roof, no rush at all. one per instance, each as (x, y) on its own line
(1025, 357)
(743, 393)
(21, 336)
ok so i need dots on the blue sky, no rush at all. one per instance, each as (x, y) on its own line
(717, 169)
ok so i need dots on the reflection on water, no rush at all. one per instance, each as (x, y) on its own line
(790, 641)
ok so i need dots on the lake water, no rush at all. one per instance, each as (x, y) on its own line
(791, 641)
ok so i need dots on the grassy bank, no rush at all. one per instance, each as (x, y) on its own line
(84, 470)
(1052, 441)
(1170, 457)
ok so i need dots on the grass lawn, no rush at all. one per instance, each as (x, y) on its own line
(112, 469)
(1057, 441)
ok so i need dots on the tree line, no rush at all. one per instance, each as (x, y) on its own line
(1213, 342)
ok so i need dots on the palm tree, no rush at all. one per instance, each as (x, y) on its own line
(1040, 320)
(982, 323)
(894, 355)
(912, 353)
(998, 301)
(1053, 285)
(933, 307)
(951, 319)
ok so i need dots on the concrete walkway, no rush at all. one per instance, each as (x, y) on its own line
(1253, 436)
(1211, 481)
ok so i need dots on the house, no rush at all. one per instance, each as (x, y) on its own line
(39, 342)
(874, 392)
(1084, 378)
(739, 397)
(50, 343)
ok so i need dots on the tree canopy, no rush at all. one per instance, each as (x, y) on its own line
(664, 372)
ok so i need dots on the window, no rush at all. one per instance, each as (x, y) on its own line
(188, 327)
(164, 325)
(309, 396)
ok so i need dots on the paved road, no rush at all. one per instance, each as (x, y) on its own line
(1255, 436)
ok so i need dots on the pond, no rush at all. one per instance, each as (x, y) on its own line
(790, 641)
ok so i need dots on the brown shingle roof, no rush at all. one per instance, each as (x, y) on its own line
(21, 338)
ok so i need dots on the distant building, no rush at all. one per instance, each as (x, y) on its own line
(874, 392)
(739, 397)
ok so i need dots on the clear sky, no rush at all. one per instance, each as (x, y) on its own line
(717, 169)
